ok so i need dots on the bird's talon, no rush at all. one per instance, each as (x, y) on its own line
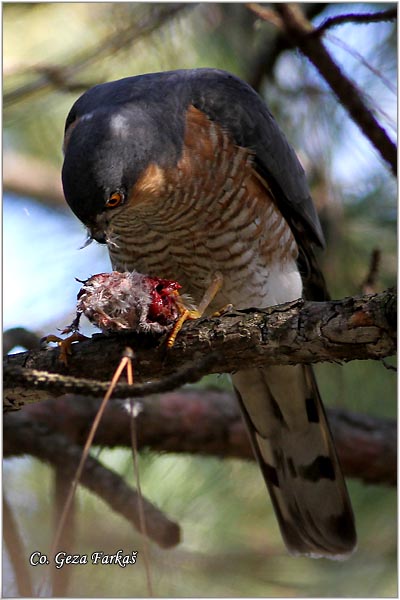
(65, 345)
(185, 316)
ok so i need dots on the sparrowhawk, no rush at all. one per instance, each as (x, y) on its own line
(184, 174)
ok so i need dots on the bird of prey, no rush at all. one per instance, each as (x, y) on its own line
(185, 174)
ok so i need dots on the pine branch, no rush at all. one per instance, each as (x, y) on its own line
(362, 327)
(24, 435)
(205, 422)
(291, 20)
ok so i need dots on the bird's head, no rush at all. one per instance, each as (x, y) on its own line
(107, 152)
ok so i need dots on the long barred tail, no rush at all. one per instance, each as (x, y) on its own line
(294, 447)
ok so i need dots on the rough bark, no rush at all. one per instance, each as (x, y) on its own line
(361, 327)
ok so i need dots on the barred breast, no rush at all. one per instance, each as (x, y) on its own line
(210, 213)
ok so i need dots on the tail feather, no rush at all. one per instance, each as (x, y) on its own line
(294, 447)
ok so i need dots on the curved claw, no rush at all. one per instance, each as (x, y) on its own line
(65, 345)
(186, 314)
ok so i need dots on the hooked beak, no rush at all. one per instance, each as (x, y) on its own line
(93, 235)
(96, 231)
(98, 236)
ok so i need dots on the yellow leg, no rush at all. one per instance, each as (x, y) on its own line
(209, 295)
(65, 345)
(211, 292)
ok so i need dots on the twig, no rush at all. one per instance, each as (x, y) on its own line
(129, 355)
(57, 383)
(300, 30)
(82, 464)
(375, 71)
(274, 44)
(266, 14)
(369, 284)
(355, 18)
(60, 77)
(23, 436)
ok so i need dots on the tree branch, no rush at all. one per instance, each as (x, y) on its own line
(55, 383)
(19, 336)
(302, 34)
(356, 18)
(275, 44)
(24, 435)
(205, 422)
(368, 286)
(32, 178)
(62, 77)
(361, 327)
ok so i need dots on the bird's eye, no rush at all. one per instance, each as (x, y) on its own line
(115, 200)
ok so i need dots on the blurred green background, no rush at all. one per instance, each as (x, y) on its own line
(51, 53)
